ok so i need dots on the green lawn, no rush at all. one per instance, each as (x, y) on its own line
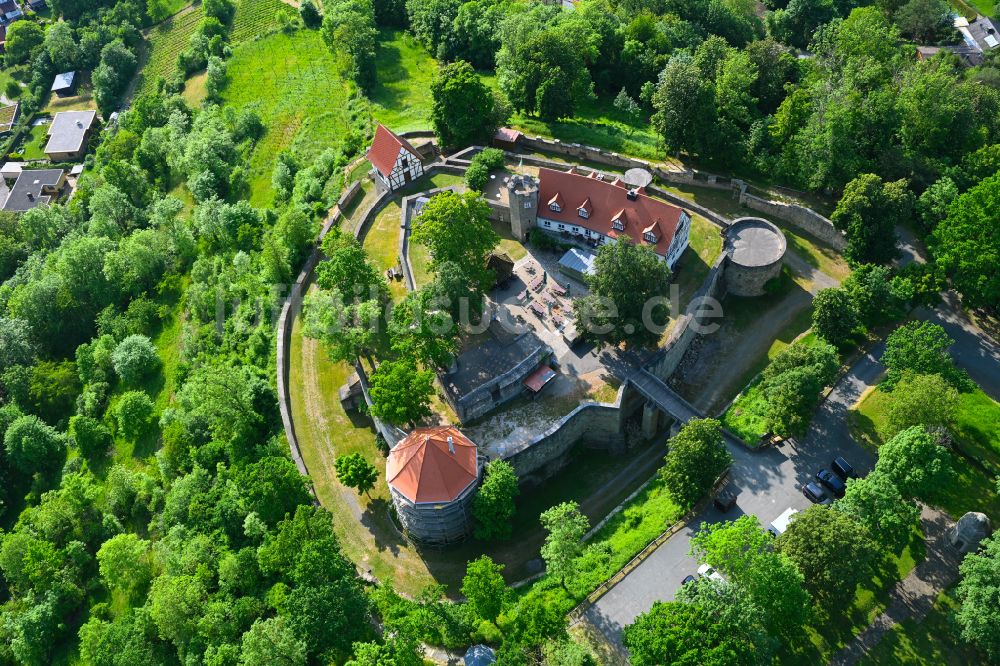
(165, 42)
(34, 143)
(976, 431)
(291, 80)
(930, 642)
(402, 98)
(382, 245)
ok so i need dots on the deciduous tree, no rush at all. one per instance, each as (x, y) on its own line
(401, 393)
(355, 472)
(832, 551)
(979, 592)
(920, 347)
(32, 446)
(695, 457)
(457, 228)
(916, 463)
(566, 527)
(484, 588)
(834, 316)
(493, 507)
(868, 213)
(919, 400)
(876, 503)
(464, 111)
(628, 295)
(134, 358)
(685, 107)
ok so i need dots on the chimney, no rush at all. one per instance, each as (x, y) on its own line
(451, 444)
(632, 195)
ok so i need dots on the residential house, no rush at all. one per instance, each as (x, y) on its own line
(11, 170)
(598, 210)
(980, 34)
(395, 160)
(37, 5)
(10, 11)
(35, 188)
(68, 135)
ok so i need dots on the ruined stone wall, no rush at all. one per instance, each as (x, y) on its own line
(595, 424)
(663, 364)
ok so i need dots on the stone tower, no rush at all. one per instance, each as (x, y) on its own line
(522, 193)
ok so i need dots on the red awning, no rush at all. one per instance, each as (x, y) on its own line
(537, 380)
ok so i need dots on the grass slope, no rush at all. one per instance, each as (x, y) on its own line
(402, 98)
(291, 80)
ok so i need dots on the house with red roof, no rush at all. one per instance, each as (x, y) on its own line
(599, 210)
(396, 162)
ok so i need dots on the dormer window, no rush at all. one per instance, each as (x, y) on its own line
(650, 237)
(556, 207)
(618, 224)
(556, 203)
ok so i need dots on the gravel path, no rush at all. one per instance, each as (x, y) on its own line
(915, 595)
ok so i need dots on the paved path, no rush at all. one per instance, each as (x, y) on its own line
(915, 595)
(974, 350)
(767, 483)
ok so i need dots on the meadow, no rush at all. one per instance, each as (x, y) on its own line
(291, 80)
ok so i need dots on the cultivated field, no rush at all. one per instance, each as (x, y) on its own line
(164, 42)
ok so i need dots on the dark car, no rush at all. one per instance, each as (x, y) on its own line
(689, 579)
(843, 468)
(725, 500)
(832, 482)
(814, 493)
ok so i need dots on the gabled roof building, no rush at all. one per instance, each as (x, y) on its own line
(396, 162)
(432, 475)
(598, 210)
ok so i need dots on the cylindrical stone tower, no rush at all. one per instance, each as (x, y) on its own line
(755, 249)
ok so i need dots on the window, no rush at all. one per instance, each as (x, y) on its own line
(527, 204)
(555, 207)
(649, 237)
(562, 227)
(546, 223)
(617, 224)
(583, 213)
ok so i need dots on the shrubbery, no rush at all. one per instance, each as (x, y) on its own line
(482, 164)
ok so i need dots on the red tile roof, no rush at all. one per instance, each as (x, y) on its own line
(425, 468)
(507, 134)
(607, 201)
(385, 149)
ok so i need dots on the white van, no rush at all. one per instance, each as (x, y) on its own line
(780, 523)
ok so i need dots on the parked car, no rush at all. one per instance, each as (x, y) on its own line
(843, 468)
(689, 579)
(706, 570)
(814, 493)
(831, 482)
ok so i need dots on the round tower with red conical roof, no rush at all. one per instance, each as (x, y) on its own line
(433, 474)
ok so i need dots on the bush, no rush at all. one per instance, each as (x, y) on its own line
(133, 413)
(485, 161)
(89, 435)
(134, 358)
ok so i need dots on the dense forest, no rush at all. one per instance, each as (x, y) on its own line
(150, 511)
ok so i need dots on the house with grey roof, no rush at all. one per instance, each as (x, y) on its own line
(68, 135)
(980, 34)
(64, 84)
(10, 11)
(35, 188)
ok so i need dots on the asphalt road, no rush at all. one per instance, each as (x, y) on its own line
(767, 483)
